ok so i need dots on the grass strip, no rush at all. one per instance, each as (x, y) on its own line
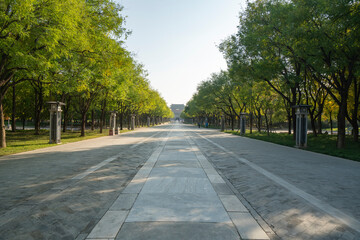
(323, 143)
(26, 140)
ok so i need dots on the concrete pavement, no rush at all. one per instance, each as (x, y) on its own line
(172, 197)
(178, 182)
(298, 194)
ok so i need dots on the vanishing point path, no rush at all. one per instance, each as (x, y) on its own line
(178, 182)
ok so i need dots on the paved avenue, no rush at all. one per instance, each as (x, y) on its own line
(177, 182)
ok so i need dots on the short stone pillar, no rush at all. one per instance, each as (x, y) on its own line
(55, 121)
(242, 123)
(148, 121)
(222, 123)
(112, 124)
(132, 122)
(301, 125)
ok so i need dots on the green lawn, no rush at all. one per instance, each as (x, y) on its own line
(25, 140)
(322, 143)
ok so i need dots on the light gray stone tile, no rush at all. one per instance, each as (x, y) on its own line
(143, 173)
(177, 172)
(211, 171)
(222, 188)
(176, 207)
(109, 225)
(124, 202)
(177, 231)
(232, 203)
(178, 185)
(247, 226)
(134, 186)
(215, 178)
(178, 163)
(178, 156)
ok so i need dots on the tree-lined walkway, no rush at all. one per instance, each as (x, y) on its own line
(177, 182)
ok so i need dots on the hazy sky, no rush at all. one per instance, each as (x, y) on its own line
(177, 40)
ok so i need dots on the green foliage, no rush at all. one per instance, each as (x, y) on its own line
(71, 51)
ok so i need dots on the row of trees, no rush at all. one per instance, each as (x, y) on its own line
(287, 53)
(70, 51)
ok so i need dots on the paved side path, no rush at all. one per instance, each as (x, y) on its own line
(61, 192)
(296, 193)
(177, 195)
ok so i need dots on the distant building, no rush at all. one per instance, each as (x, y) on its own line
(177, 110)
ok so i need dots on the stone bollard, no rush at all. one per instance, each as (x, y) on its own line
(112, 124)
(222, 123)
(132, 122)
(55, 121)
(242, 123)
(301, 125)
(148, 121)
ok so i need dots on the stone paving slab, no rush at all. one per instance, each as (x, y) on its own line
(183, 156)
(124, 202)
(177, 163)
(178, 185)
(177, 231)
(177, 173)
(329, 179)
(109, 225)
(177, 208)
(232, 203)
(247, 226)
(222, 189)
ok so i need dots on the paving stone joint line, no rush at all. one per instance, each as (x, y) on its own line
(334, 212)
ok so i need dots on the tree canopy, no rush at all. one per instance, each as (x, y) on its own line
(304, 51)
(71, 51)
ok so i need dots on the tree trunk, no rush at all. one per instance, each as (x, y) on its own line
(251, 122)
(232, 122)
(312, 120)
(331, 124)
(39, 101)
(121, 120)
(102, 115)
(37, 115)
(267, 124)
(356, 131)
(259, 121)
(293, 122)
(3, 132)
(66, 112)
(13, 122)
(289, 122)
(23, 123)
(83, 123)
(319, 124)
(92, 120)
(341, 124)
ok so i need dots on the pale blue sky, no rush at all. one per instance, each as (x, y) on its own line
(176, 41)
